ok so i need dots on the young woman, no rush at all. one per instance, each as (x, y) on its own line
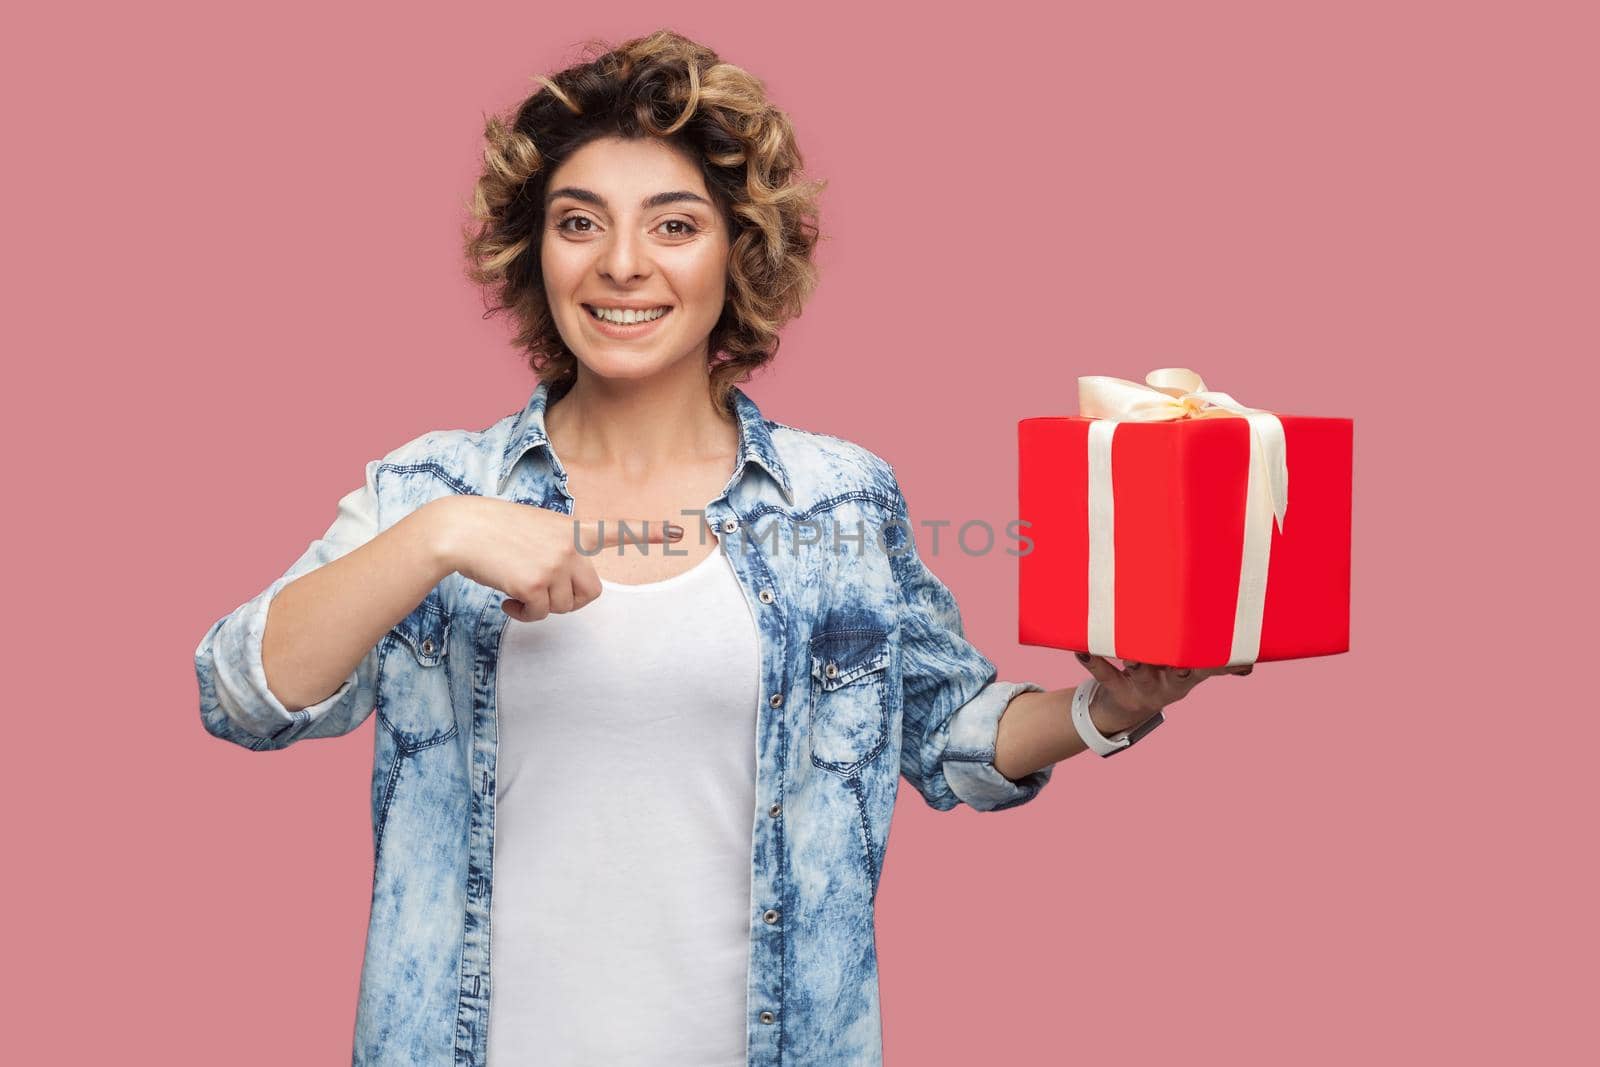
(632, 783)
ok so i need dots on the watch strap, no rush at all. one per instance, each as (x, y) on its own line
(1100, 744)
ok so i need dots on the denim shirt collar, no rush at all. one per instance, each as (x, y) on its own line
(755, 441)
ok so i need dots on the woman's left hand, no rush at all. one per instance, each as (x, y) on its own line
(1129, 696)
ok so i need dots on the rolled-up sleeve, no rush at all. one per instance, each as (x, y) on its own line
(951, 699)
(236, 703)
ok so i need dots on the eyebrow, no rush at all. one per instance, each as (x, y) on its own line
(657, 200)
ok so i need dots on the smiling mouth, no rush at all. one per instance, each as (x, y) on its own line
(616, 317)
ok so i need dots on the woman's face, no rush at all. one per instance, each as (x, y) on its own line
(630, 224)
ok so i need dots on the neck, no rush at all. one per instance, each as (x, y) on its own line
(640, 427)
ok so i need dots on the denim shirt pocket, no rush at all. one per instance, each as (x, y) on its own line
(849, 698)
(414, 697)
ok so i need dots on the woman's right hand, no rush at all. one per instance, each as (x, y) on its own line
(531, 554)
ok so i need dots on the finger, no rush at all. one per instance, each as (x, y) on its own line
(1160, 685)
(1149, 677)
(536, 606)
(1106, 673)
(586, 587)
(594, 534)
(1209, 672)
(560, 594)
(1102, 669)
(1145, 678)
(1184, 681)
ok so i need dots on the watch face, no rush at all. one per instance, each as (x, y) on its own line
(1155, 720)
(1139, 731)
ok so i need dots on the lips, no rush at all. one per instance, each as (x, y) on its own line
(630, 330)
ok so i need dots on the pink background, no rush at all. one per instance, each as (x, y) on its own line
(234, 276)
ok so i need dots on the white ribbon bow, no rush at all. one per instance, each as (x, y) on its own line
(1179, 393)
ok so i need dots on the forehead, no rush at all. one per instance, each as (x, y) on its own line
(626, 171)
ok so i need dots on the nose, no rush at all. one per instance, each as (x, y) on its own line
(624, 256)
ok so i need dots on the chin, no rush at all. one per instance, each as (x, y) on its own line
(618, 367)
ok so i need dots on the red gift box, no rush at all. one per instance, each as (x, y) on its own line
(1161, 531)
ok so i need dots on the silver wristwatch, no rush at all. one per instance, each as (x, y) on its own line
(1092, 737)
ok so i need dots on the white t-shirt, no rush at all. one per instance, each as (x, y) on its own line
(621, 908)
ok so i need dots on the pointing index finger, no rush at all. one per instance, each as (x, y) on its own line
(594, 534)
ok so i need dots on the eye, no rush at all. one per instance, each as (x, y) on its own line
(689, 229)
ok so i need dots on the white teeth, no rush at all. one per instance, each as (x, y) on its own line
(625, 317)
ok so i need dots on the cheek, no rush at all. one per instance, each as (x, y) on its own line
(708, 277)
(560, 264)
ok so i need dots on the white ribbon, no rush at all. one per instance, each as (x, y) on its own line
(1178, 393)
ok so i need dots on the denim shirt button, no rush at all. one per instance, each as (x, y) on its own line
(770, 916)
(765, 596)
(776, 700)
(767, 1017)
(730, 525)
(832, 670)
(775, 810)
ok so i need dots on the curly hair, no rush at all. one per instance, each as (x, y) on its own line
(664, 86)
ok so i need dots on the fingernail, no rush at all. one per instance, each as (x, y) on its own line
(674, 531)
(1083, 658)
(1248, 669)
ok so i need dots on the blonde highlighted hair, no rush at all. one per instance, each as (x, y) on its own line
(663, 86)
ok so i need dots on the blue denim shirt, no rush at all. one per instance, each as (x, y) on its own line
(865, 677)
